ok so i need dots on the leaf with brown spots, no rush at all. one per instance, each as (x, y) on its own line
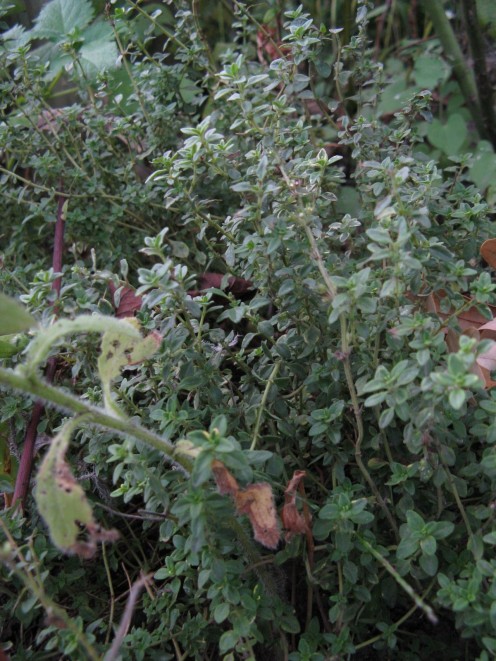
(119, 350)
(62, 502)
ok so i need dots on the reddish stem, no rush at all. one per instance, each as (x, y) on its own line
(28, 451)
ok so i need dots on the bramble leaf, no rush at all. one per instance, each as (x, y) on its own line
(14, 318)
(59, 17)
(62, 502)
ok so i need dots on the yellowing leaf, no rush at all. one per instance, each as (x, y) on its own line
(62, 502)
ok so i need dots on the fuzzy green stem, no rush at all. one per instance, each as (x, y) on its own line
(38, 388)
(40, 347)
(418, 600)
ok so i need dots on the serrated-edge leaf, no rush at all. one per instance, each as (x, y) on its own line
(59, 17)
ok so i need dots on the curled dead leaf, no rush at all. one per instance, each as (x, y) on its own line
(256, 501)
(293, 521)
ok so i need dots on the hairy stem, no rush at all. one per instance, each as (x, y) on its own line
(38, 388)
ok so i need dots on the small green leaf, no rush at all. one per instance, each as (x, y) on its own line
(428, 545)
(376, 399)
(289, 623)
(490, 538)
(202, 469)
(228, 640)
(13, 316)
(441, 529)
(221, 612)
(407, 547)
(386, 417)
(429, 564)
(457, 398)
(7, 347)
(415, 522)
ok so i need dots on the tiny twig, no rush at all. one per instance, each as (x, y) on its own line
(134, 593)
(258, 422)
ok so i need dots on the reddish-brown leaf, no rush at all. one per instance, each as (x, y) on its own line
(239, 287)
(226, 483)
(293, 521)
(488, 252)
(466, 318)
(488, 359)
(128, 304)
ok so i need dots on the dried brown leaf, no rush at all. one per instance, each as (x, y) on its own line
(257, 501)
(488, 252)
(226, 482)
(488, 359)
(129, 303)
